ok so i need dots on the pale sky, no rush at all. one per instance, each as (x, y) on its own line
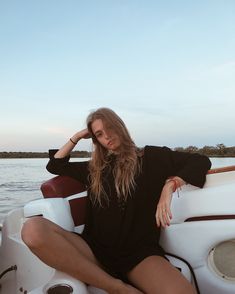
(166, 67)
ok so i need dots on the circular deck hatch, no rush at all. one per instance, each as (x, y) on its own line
(60, 289)
(221, 259)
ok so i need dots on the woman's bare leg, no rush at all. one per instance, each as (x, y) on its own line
(155, 275)
(69, 253)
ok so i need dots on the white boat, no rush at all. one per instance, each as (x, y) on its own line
(200, 240)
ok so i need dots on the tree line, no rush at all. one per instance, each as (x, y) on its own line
(220, 150)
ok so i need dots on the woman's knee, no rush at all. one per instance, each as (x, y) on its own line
(34, 230)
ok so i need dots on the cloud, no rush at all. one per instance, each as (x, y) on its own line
(56, 130)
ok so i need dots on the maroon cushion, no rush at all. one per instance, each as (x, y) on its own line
(64, 186)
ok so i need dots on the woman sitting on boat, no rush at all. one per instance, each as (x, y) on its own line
(129, 197)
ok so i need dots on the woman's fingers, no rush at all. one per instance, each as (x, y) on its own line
(163, 216)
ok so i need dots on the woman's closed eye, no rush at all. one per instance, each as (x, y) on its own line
(98, 134)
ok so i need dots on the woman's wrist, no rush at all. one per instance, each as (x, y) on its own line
(171, 184)
(75, 138)
(72, 141)
(69, 146)
(174, 184)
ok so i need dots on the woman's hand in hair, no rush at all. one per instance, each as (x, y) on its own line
(83, 134)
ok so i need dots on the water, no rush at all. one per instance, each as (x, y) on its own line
(20, 180)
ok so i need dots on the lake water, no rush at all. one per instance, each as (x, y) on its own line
(20, 180)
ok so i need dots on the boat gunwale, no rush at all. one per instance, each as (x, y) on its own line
(221, 169)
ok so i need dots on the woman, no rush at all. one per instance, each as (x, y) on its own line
(129, 196)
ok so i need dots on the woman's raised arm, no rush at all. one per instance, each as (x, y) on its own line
(72, 142)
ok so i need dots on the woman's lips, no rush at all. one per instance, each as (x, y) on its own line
(110, 143)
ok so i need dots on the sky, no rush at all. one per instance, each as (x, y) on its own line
(166, 67)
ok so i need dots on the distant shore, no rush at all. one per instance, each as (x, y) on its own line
(78, 154)
(220, 150)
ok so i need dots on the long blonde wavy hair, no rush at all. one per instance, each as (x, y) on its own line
(127, 165)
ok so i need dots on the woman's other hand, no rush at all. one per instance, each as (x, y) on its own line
(163, 213)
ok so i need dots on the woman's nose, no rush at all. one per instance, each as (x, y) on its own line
(107, 135)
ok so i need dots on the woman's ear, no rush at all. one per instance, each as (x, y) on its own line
(94, 140)
(93, 137)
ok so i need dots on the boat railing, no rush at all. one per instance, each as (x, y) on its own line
(221, 169)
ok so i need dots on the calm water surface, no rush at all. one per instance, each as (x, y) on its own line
(20, 180)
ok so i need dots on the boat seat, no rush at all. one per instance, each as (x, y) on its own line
(64, 187)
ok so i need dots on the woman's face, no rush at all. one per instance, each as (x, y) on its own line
(106, 136)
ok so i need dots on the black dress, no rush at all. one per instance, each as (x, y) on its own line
(121, 234)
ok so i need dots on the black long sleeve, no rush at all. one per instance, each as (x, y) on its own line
(62, 167)
(191, 167)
